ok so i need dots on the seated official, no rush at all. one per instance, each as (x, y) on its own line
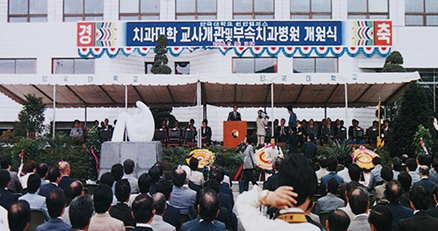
(160, 206)
(35, 201)
(18, 217)
(330, 201)
(121, 211)
(55, 205)
(358, 199)
(80, 212)
(205, 133)
(297, 183)
(380, 218)
(101, 220)
(393, 193)
(337, 220)
(143, 212)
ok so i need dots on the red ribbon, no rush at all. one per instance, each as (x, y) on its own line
(95, 158)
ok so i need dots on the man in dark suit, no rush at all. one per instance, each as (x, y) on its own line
(234, 115)
(121, 211)
(380, 218)
(425, 181)
(393, 193)
(66, 180)
(56, 202)
(54, 178)
(225, 209)
(80, 212)
(208, 208)
(434, 211)
(171, 215)
(223, 188)
(332, 164)
(205, 133)
(142, 210)
(421, 221)
(282, 131)
(309, 149)
(7, 197)
(271, 183)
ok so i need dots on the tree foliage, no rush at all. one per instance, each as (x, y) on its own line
(160, 60)
(393, 63)
(31, 118)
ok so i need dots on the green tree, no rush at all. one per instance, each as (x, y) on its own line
(424, 136)
(160, 60)
(31, 118)
(414, 110)
(393, 63)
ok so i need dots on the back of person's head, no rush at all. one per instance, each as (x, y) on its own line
(5, 178)
(142, 208)
(322, 162)
(277, 163)
(5, 161)
(380, 218)
(194, 164)
(165, 187)
(213, 184)
(144, 183)
(358, 200)
(405, 180)
(217, 175)
(80, 212)
(208, 206)
(160, 165)
(348, 161)
(122, 190)
(422, 159)
(404, 158)
(424, 170)
(297, 172)
(393, 191)
(155, 174)
(64, 167)
(289, 107)
(411, 164)
(42, 169)
(54, 174)
(30, 166)
(396, 164)
(33, 183)
(107, 178)
(386, 173)
(332, 163)
(332, 186)
(19, 216)
(419, 197)
(354, 172)
(117, 171)
(220, 160)
(76, 189)
(179, 177)
(102, 198)
(377, 161)
(159, 203)
(55, 202)
(337, 220)
(128, 166)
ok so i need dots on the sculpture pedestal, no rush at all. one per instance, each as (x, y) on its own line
(144, 155)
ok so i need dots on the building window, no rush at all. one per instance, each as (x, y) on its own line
(310, 9)
(139, 9)
(368, 9)
(148, 67)
(72, 66)
(27, 11)
(315, 65)
(254, 65)
(196, 9)
(78, 10)
(18, 66)
(253, 9)
(421, 12)
(182, 68)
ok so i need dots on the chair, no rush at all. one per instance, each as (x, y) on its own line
(323, 216)
(174, 138)
(91, 188)
(36, 219)
(161, 135)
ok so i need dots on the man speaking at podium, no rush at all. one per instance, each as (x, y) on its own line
(234, 115)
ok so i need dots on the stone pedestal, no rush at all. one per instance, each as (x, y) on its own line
(144, 154)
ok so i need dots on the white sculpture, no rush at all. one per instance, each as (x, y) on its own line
(139, 127)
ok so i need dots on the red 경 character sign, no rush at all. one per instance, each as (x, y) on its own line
(85, 34)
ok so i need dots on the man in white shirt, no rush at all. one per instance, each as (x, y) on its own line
(274, 151)
(322, 162)
(297, 183)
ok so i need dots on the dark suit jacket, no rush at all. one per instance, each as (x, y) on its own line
(271, 183)
(7, 198)
(433, 212)
(282, 137)
(121, 211)
(224, 217)
(309, 150)
(428, 184)
(54, 224)
(231, 116)
(398, 212)
(64, 184)
(421, 221)
(224, 188)
(224, 201)
(47, 189)
(206, 133)
(195, 225)
(171, 216)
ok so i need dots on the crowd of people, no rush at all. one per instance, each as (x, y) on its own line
(104, 129)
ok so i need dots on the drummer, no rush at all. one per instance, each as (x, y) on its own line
(274, 151)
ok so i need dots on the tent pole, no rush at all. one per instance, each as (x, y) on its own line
(54, 111)
(126, 109)
(346, 106)
(85, 122)
(272, 110)
(198, 102)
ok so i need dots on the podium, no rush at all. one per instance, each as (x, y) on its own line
(234, 133)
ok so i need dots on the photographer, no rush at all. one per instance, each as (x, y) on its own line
(261, 122)
(247, 154)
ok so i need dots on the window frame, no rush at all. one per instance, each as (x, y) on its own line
(196, 14)
(83, 15)
(146, 67)
(311, 13)
(314, 64)
(74, 69)
(28, 15)
(423, 14)
(140, 14)
(367, 13)
(15, 66)
(253, 13)
(254, 65)
(176, 63)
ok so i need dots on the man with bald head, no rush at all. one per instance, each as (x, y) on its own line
(183, 198)
(160, 206)
(66, 180)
